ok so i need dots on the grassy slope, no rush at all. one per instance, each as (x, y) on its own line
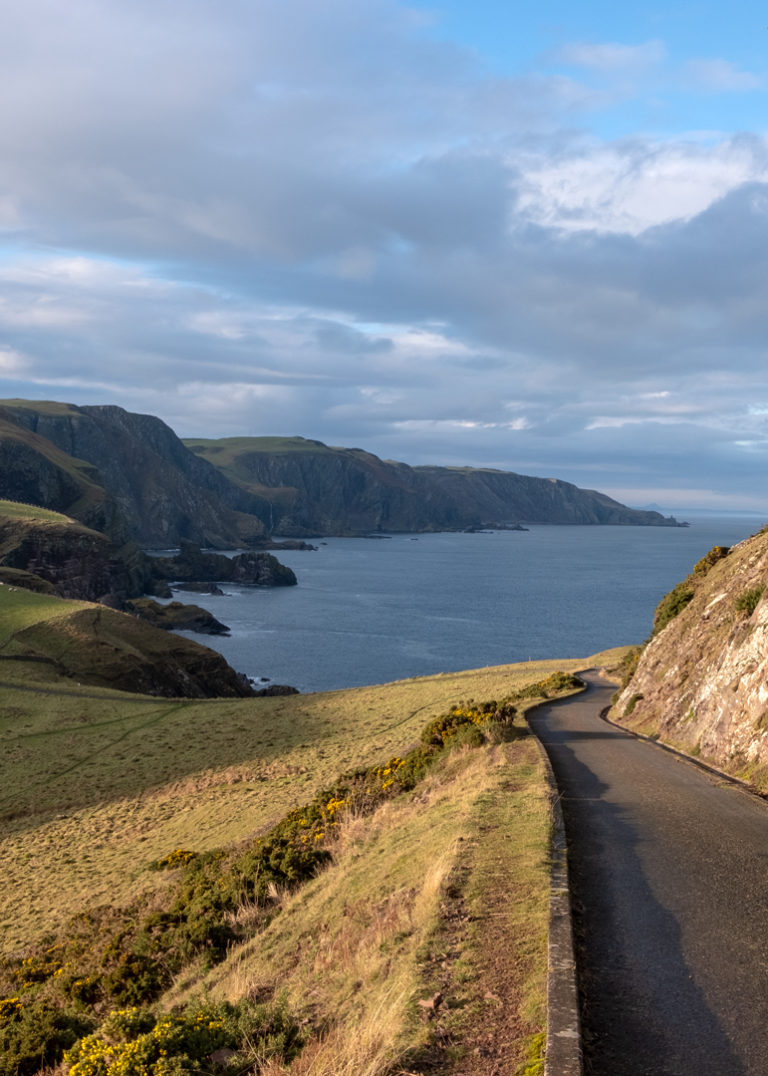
(22, 609)
(410, 909)
(43, 407)
(97, 783)
(224, 451)
(15, 510)
(422, 897)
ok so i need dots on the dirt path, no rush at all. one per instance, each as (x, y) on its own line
(669, 870)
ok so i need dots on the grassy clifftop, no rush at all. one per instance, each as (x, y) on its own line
(44, 638)
(419, 897)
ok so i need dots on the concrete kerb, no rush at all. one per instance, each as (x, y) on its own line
(682, 756)
(563, 1055)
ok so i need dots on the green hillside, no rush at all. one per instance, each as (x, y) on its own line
(97, 785)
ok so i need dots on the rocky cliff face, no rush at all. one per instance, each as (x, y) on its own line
(317, 490)
(702, 682)
(157, 492)
(34, 471)
(193, 565)
(78, 562)
(130, 476)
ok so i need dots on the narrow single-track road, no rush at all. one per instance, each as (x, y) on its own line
(669, 875)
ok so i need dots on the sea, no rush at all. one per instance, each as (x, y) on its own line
(372, 610)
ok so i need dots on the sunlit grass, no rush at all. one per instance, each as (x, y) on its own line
(95, 784)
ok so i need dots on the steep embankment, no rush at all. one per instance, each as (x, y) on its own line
(315, 489)
(47, 638)
(701, 683)
(124, 473)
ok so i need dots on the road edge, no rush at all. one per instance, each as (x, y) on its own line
(563, 1055)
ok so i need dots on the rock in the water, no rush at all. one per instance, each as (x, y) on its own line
(193, 565)
(177, 617)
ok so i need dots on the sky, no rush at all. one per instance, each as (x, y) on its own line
(524, 236)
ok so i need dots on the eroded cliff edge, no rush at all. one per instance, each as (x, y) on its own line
(701, 682)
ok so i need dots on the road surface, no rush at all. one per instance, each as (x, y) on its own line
(669, 876)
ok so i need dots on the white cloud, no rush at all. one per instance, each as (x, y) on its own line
(12, 362)
(630, 186)
(613, 56)
(361, 234)
(718, 76)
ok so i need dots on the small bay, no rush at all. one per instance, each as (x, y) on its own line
(368, 611)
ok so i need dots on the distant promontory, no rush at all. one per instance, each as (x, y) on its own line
(129, 476)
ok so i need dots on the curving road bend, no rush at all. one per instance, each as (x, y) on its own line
(669, 877)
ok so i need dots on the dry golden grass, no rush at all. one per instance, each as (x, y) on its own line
(96, 784)
(358, 947)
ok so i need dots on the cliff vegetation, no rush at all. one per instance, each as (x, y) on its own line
(701, 682)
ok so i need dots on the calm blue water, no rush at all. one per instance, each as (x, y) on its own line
(369, 611)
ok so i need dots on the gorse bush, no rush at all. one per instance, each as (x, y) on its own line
(673, 603)
(122, 959)
(137, 1042)
(34, 1035)
(708, 561)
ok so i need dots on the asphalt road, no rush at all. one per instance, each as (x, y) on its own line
(669, 875)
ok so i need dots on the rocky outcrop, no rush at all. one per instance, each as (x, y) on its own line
(76, 561)
(193, 565)
(177, 617)
(313, 489)
(701, 683)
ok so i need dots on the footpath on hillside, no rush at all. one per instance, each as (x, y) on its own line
(669, 878)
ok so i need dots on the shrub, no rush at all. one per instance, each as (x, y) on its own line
(134, 1042)
(715, 554)
(748, 600)
(671, 605)
(180, 857)
(36, 1036)
(632, 703)
(627, 667)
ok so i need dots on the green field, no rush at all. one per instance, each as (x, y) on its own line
(15, 510)
(96, 785)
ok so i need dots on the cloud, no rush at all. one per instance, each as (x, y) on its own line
(613, 57)
(717, 76)
(632, 185)
(358, 233)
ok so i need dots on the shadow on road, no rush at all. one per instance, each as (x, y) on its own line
(642, 1012)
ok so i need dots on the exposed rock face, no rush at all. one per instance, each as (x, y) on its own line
(34, 471)
(702, 682)
(78, 562)
(194, 565)
(177, 617)
(130, 476)
(316, 490)
(155, 490)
